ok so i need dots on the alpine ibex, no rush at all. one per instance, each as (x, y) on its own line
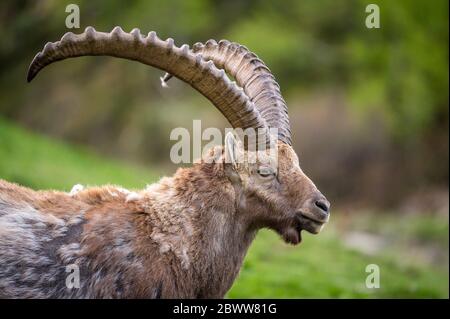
(185, 236)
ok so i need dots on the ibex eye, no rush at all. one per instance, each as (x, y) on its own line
(265, 172)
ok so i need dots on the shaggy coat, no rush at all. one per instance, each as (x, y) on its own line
(184, 237)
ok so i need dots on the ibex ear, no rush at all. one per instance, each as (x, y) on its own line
(233, 151)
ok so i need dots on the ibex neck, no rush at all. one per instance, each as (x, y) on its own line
(219, 236)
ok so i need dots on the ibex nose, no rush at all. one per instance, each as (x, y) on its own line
(323, 204)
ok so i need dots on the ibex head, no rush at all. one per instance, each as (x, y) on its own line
(273, 190)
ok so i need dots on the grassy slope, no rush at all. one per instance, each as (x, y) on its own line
(39, 162)
(320, 267)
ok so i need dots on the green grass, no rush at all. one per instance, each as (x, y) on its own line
(38, 162)
(322, 266)
(425, 228)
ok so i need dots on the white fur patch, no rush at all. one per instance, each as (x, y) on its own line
(123, 190)
(76, 189)
(113, 194)
(132, 197)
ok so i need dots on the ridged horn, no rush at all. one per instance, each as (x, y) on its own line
(183, 63)
(253, 76)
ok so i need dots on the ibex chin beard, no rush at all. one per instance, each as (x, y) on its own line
(311, 218)
(292, 234)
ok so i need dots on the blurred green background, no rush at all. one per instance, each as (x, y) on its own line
(368, 108)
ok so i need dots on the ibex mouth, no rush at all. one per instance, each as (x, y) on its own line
(310, 223)
(292, 233)
(322, 219)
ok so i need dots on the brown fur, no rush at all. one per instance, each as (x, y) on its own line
(184, 237)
